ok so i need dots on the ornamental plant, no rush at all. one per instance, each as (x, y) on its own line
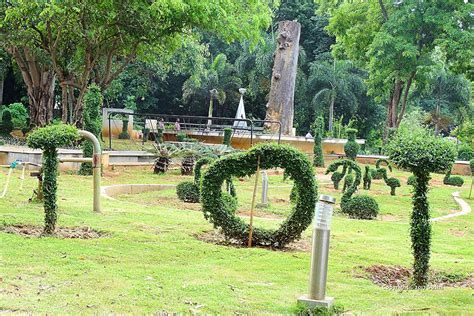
(48, 139)
(351, 148)
(422, 153)
(296, 165)
(359, 206)
(367, 178)
(6, 125)
(393, 183)
(92, 123)
(337, 176)
(227, 136)
(453, 180)
(318, 160)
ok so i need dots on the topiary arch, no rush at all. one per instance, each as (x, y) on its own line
(296, 165)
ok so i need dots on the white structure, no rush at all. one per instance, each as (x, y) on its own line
(241, 111)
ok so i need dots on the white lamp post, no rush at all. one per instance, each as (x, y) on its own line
(320, 254)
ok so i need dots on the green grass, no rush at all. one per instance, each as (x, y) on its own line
(152, 262)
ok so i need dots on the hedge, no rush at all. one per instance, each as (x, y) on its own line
(351, 148)
(296, 165)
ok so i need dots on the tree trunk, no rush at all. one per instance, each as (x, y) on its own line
(280, 105)
(39, 80)
(392, 108)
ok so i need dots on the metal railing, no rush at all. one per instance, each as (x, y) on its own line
(200, 124)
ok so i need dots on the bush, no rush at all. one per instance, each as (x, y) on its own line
(6, 125)
(244, 164)
(181, 137)
(465, 152)
(361, 207)
(159, 135)
(422, 153)
(48, 139)
(351, 148)
(124, 134)
(453, 180)
(19, 115)
(364, 207)
(188, 192)
(376, 174)
(411, 180)
(227, 136)
(92, 123)
(367, 178)
(318, 160)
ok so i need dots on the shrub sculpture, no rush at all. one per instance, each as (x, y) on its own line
(244, 164)
(348, 180)
(421, 153)
(351, 148)
(453, 180)
(188, 192)
(6, 125)
(92, 122)
(124, 134)
(465, 152)
(411, 180)
(227, 136)
(318, 160)
(367, 178)
(49, 139)
(337, 176)
(393, 183)
(360, 206)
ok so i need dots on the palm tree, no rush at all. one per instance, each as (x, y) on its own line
(336, 84)
(220, 77)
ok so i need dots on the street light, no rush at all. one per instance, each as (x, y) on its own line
(320, 253)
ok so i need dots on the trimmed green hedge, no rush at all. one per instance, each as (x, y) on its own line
(296, 165)
(360, 206)
(351, 148)
(188, 192)
(453, 180)
(367, 178)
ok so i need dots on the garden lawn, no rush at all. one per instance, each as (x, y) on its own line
(151, 261)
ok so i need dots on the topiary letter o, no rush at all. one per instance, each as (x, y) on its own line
(296, 165)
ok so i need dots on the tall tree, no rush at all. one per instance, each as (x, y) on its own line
(86, 40)
(394, 39)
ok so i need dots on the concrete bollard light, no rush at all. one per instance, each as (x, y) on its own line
(320, 254)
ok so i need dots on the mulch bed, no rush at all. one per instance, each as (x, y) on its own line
(217, 238)
(398, 278)
(61, 232)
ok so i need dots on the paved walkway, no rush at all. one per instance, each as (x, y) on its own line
(465, 208)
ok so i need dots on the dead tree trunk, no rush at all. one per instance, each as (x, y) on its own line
(280, 105)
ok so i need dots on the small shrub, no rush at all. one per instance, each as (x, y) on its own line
(453, 180)
(227, 136)
(19, 115)
(318, 160)
(393, 183)
(411, 180)
(361, 207)
(188, 192)
(376, 174)
(181, 137)
(318, 310)
(465, 152)
(6, 125)
(351, 148)
(124, 134)
(367, 178)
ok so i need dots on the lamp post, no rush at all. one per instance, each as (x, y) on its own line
(320, 254)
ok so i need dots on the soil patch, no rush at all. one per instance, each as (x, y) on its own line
(61, 232)
(398, 278)
(217, 238)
